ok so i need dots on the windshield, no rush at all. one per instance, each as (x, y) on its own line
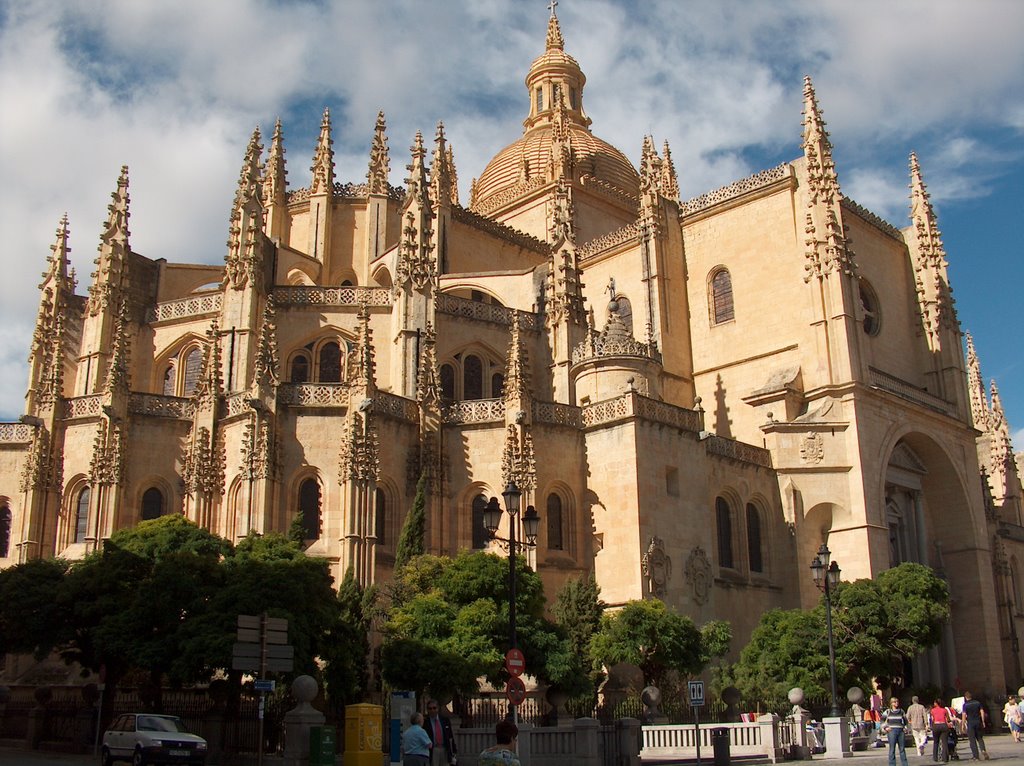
(160, 723)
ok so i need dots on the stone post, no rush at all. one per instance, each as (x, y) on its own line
(837, 738)
(588, 746)
(299, 720)
(525, 744)
(768, 728)
(629, 732)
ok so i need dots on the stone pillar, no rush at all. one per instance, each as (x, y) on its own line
(768, 728)
(629, 732)
(299, 720)
(837, 738)
(588, 745)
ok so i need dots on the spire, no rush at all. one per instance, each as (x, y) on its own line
(650, 173)
(428, 387)
(246, 217)
(934, 294)
(380, 164)
(976, 389)
(417, 185)
(669, 181)
(1001, 446)
(821, 170)
(210, 384)
(118, 382)
(57, 270)
(440, 171)
(266, 368)
(414, 253)
(113, 249)
(554, 41)
(275, 176)
(366, 366)
(323, 159)
(517, 370)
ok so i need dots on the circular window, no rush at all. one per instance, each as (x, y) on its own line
(869, 308)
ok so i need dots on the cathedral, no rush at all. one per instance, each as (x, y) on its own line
(693, 395)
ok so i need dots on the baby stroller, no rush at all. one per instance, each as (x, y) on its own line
(951, 742)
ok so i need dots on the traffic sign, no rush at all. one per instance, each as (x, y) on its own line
(515, 690)
(515, 662)
(264, 684)
(696, 693)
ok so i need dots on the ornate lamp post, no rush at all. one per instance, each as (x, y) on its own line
(826, 577)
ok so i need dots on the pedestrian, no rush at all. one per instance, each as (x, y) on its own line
(894, 724)
(439, 729)
(941, 720)
(917, 717)
(415, 743)
(974, 718)
(503, 753)
(1011, 715)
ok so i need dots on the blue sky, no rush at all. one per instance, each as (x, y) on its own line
(173, 89)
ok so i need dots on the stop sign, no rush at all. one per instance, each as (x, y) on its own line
(515, 662)
(515, 691)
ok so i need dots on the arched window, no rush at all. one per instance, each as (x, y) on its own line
(168, 385)
(480, 536)
(721, 298)
(472, 378)
(309, 509)
(447, 382)
(723, 519)
(554, 513)
(193, 368)
(754, 550)
(152, 504)
(497, 385)
(539, 98)
(330, 363)
(300, 369)
(380, 519)
(347, 283)
(869, 307)
(5, 531)
(82, 516)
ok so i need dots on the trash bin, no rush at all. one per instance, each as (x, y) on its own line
(363, 735)
(322, 745)
(720, 744)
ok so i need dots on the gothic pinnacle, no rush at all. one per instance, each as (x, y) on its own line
(554, 38)
(323, 159)
(275, 174)
(380, 165)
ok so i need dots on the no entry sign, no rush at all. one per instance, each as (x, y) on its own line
(515, 662)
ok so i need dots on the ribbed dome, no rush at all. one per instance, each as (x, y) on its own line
(555, 87)
(593, 157)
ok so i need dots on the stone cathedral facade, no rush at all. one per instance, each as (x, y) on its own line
(693, 394)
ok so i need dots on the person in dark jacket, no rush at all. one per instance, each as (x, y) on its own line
(439, 729)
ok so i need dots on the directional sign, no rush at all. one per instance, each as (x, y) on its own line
(264, 684)
(696, 693)
(515, 662)
(515, 691)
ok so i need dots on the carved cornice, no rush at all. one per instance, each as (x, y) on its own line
(735, 190)
(500, 230)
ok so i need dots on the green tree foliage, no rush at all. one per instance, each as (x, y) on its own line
(877, 625)
(448, 625)
(31, 619)
(657, 640)
(346, 645)
(411, 539)
(578, 609)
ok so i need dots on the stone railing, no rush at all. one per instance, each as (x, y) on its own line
(557, 414)
(908, 391)
(392, 405)
(595, 346)
(629, 233)
(350, 295)
(16, 433)
(738, 189)
(764, 738)
(82, 406)
(475, 411)
(185, 308)
(313, 394)
(734, 450)
(632, 404)
(158, 406)
(236, 404)
(486, 312)
(583, 742)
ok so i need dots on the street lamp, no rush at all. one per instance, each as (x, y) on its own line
(826, 577)
(531, 522)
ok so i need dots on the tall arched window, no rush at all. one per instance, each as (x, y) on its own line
(309, 509)
(721, 297)
(448, 382)
(152, 504)
(168, 385)
(554, 513)
(754, 549)
(380, 517)
(723, 520)
(82, 516)
(330, 363)
(5, 531)
(480, 536)
(193, 367)
(300, 369)
(472, 378)
(497, 385)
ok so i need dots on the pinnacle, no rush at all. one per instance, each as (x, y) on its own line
(554, 38)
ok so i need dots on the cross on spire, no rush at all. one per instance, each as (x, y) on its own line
(551, 7)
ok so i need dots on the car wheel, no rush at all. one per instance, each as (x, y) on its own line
(138, 759)
(105, 758)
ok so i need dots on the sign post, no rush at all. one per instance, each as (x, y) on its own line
(262, 647)
(696, 689)
(515, 690)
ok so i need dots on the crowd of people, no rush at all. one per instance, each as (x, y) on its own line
(430, 741)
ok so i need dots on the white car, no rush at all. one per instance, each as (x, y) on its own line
(144, 738)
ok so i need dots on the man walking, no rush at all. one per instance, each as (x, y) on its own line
(894, 724)
(917, 717)
(439, 729)
(975, 719)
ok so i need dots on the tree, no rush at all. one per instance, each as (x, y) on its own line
(31, 619)
(578, 609)
(656, 639)
(877, 624)
(346, 645)
(411, 539)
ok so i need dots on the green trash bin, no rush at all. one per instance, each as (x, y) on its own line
(322, 745)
